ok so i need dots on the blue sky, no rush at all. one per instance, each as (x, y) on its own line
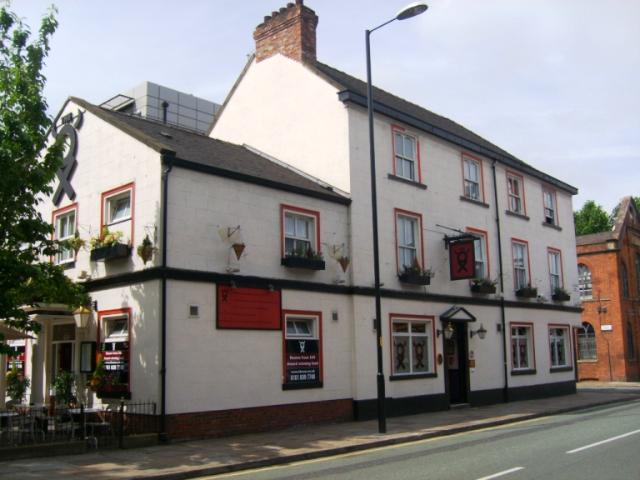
(555, 83)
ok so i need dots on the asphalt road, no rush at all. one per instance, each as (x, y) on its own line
(601, 443)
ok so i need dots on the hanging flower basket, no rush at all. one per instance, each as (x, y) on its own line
(145, 250)
(344, 263)
(527, 292)
(238, 249)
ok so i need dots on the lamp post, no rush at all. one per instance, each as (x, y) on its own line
(407, 12)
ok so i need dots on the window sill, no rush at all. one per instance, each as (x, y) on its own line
(117, 222)
(517, 215)
(396, 178)
(301, 386)
(589, 360)
(412, 376)
(561, 369)
(530, 371)
(551, 225)
(474, 202)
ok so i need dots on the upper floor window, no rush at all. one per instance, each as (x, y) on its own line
(624, 278)
(587, 342)
(515, 190)
(65, 229)
(550, 212)
(480, 253)
(584, 281)
(408, 240)
(301, 231)
(118, 208)
(555, 270)
(405, 149)
(472, 174)
(520, 253)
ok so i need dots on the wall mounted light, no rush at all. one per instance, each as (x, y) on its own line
(81, 316)
(481, 332)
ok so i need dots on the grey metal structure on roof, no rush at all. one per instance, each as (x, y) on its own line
(199, 152)
(355, 91)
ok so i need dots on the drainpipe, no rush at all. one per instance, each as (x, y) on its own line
(505, 393)
(167, 165)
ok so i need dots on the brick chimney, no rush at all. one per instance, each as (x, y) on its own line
(290, 31)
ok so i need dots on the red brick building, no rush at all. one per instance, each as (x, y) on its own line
(609, 285)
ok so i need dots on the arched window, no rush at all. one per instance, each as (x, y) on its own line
(624, 277)
(631, 351)
(584, 281)
(587, 342)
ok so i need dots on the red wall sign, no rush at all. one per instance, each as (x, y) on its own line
(248, 308)
(462, 260)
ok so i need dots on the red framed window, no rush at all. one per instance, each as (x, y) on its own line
(521, 267)
(114, 351)
(409, 244)
(472, 178)
(117, 211)
(556, 280)
(412, 344)
(65, 227)
(481, 253)
(522, 347)
(302, 349)
(559, 346)
(300, 231)
(406, 154)
(515, 193)
(549, 203)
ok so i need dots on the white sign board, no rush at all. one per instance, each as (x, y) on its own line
(606, 328)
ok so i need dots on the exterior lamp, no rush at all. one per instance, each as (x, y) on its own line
(81, 316)
(409, 11)
(448, 331)
(481, 332)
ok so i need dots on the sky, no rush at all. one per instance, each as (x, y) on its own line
(554, 82)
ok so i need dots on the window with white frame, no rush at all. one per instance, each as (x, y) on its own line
(587, 342)
(549, 200)
(408, 240)
(472, 177)
(300, 327)
(480, 253)
(115, 349)
(559, 346)
(515, 193)
(584, 282)
(405, 151)
(520, 265)
(522, 347)
(555, 270)
(411, 346)
(299, 234)
(65, 229)
(117, 208)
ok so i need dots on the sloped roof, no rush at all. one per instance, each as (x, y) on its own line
(199, 152)
(355, 90)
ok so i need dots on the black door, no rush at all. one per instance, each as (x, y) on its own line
(455, 353)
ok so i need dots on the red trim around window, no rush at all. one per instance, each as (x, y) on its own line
(303, 211)
(397, 128)
(56, 213)
(553, 192)
(116, 312)
(115, 191)
(566, 327)
(410, 317)
(510, 173)
(302, 313)
(406, 213)
(485, 236)
(533, 342)
(559, 252)
(479, 161)
(526, 244)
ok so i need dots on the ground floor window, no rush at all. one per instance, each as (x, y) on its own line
(114, 353)
(559, 346)
(587, 342)
(411, 346)
(63, 348)
(522, 356)
(302, 350)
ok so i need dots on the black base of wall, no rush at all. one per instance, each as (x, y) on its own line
(395, 407)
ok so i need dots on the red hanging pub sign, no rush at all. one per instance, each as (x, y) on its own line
(462, 261)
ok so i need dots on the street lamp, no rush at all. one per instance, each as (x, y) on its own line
(407, 12)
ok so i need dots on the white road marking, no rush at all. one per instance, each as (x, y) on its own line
(504, 472)
(575, 450)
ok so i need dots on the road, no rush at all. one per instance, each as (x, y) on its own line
(601, 443)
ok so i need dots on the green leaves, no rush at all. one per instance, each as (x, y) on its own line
(591, 218)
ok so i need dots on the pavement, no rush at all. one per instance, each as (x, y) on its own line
(191, 459)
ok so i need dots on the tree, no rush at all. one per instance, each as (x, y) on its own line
(28, 170)
(591, 218)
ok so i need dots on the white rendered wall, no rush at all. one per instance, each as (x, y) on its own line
(284, 109)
